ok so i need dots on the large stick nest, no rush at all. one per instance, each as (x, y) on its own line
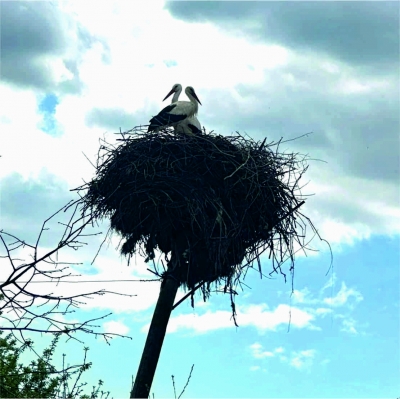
(208, 202)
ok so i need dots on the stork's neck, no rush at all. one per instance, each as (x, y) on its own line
(176, 95)
(194, 102)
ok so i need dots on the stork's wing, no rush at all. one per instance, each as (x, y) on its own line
(167, 109)
(194, 129)
(165, 118)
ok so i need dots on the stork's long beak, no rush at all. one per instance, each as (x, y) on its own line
(195, 96)
(172, 91)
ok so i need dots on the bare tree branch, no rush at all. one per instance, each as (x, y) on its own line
(24, 309)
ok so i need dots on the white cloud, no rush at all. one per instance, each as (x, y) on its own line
(256, 346)
(263, 319)
(342, 232)
(356, 86)
(301, 360)
(199, 323)
(257, 352)
(258, 316)
(253, 315)
(322, 311)
(330, 282)
(119, 86)
(344, 216)
(348, 325)
(343, 296)
(263, 354)
(303, 296)
(116, 327)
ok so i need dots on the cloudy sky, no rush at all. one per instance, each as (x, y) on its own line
(74, 72)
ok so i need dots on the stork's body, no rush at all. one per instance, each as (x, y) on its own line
(178, 112)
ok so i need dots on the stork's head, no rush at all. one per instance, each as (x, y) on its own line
(192, 94)
(175, 88)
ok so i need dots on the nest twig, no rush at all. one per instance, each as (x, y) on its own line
(208, 202)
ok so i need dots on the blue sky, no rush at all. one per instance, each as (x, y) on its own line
(74, 72)
(47, 108)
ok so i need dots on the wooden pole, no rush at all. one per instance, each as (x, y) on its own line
(155, 338)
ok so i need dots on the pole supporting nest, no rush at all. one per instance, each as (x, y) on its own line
(155, 339)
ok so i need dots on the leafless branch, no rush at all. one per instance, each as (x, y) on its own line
(24, 309)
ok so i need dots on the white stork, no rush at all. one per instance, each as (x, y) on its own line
(177, 112)
(189, 125)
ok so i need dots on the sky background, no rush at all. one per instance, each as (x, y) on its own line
(75, 72)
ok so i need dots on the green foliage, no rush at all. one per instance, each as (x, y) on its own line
(32, 381)
(40, 379)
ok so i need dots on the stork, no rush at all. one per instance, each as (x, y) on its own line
(189, 125)
(177, 112)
